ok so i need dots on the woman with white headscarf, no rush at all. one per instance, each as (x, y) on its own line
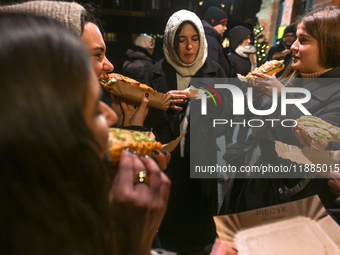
(188, 224)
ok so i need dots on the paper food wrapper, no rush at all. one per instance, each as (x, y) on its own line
(306, 155)
(156, 99)
(173, 144)
(195, 93)
(295, 228)
(242, 78)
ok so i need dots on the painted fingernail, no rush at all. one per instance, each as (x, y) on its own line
(144, 156)
(165, 152)
(156, 151)
(134, 152)
(146, 94)
(127, 150)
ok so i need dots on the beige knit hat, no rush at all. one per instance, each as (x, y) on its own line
(145, 41)
(69, 13)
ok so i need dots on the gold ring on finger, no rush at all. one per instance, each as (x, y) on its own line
(142, 177)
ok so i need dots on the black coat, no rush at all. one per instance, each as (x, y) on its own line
(240, 64)
(248, 194)
(188, 221)
(138, 62)
(215, 49)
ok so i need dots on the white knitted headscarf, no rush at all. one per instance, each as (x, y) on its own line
(169, 38)
(68, 13)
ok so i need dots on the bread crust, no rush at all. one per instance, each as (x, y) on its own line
(317, 131)
(121, 139)
(268, 68)
(108, 81)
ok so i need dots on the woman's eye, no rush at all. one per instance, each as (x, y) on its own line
(99, 112)
(302, 40)
(98, 56)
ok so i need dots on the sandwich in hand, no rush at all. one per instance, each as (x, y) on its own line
(132, 90)
(121, 139)
(317, 131)
(109, 80)
(268, 68)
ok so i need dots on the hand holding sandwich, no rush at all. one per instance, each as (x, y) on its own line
(312, 131)
(177, 97)
(129, 113)
(266, 83)
(137, 208)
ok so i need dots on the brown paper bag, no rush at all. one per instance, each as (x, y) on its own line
(156, 99)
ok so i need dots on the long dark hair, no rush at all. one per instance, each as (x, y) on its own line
(91, 14)
(53, 187)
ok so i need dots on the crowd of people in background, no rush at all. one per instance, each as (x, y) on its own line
(139, 58)
(59, 193)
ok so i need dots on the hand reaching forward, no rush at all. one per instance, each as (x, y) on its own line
(177, 97)
(267, 83)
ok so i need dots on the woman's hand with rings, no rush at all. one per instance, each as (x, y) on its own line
(267, 83)
(142, 177)
(177, 97)
(138, 208)
(162, 158)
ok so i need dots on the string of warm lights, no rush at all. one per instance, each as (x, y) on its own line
(202, 2)
(260, 43)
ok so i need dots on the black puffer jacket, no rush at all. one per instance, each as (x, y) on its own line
(138, 62)
(215, 49)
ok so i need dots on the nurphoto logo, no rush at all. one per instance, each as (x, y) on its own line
(238, 100)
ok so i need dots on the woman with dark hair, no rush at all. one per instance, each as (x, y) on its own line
(188, 225)
(82, 21)
(315, 64)
(56, 193)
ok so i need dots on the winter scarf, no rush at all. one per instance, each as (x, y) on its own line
(185, 70)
